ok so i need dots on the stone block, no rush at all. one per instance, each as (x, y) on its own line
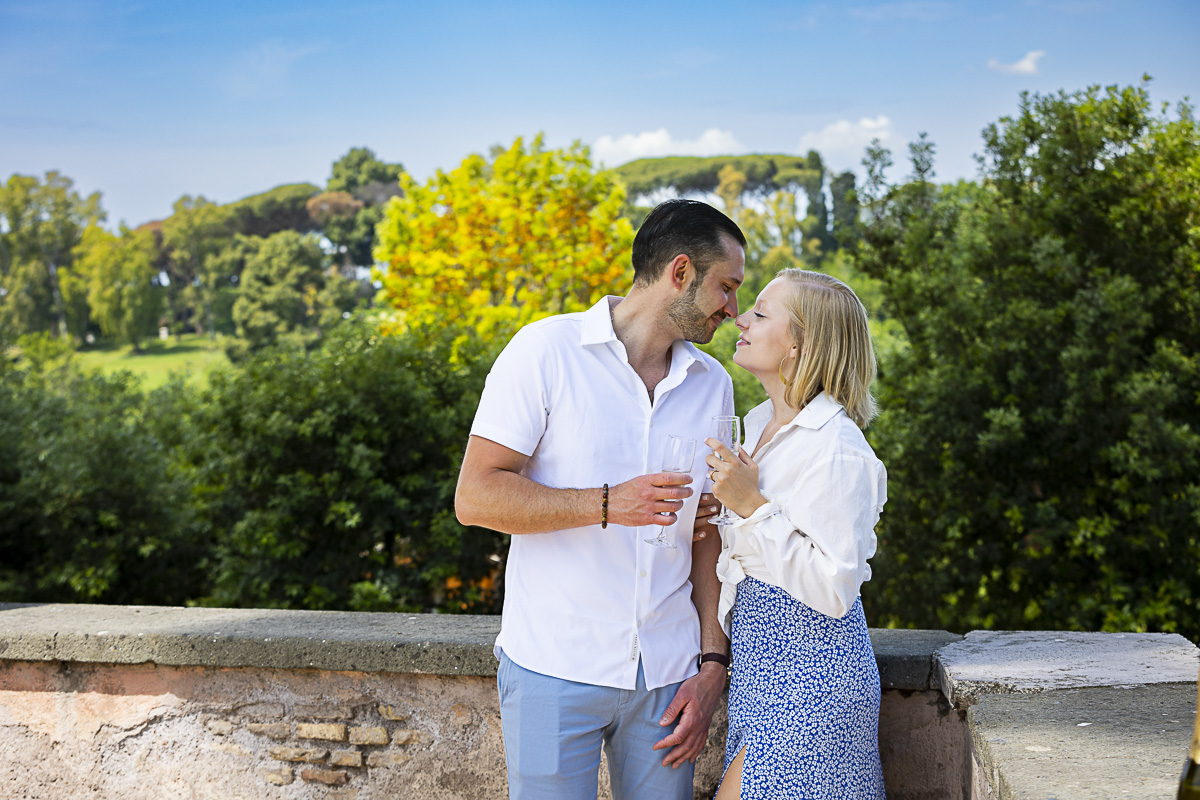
(262, 710)
(328, 777)
(409, 736)
(272, 730)
(320, 711)
(386, 758)
(280, 777)
(393, 713)
(1078, 743)
(368, 735)
(298, 754)
(990, 662)
(346, 758)
(333, 732)
(219, 727)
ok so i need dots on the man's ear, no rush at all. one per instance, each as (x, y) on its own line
(680, 271)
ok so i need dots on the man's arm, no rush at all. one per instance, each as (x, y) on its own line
(696, 700)
(706, 595)
(494, 494)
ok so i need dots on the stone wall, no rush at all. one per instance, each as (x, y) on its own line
(129, 702)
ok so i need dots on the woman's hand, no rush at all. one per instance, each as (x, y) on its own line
(735, 479)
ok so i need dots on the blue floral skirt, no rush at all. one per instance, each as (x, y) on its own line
(803, 700)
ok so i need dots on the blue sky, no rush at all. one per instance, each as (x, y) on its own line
(146, 101)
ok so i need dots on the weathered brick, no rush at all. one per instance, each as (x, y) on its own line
(328, 777)
(320, 711)
(368, 736)
(330, 731)
(280, 777)
(393, 713)
(272, 730)
(298, 754)
(386, 758)
(262, 710)
(408, 736)
(346, 758)
(220, 727)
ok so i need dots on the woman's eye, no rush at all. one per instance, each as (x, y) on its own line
(760, 316)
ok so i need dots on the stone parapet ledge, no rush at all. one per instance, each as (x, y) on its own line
(150, 702)
(1073, 715)
(424, 644)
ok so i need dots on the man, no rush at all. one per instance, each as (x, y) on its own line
(601, 631)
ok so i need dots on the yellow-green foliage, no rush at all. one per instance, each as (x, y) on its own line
(494, 245)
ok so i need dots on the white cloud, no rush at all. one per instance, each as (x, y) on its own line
(1026, 66)
(712, 142)
(263, 69)
(841, 143)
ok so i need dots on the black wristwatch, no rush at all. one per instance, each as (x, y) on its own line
(720, 658)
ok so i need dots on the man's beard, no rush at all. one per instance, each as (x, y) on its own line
(692, 322)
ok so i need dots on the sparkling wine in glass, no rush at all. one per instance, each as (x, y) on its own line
(676, 458)
(728, 430)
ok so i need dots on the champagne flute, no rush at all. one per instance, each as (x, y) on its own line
(728, 430)
(677, 457)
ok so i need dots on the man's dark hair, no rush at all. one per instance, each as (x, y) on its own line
(682, 226)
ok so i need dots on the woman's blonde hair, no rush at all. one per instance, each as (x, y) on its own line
(829, 325)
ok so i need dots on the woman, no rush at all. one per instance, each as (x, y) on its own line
(804, 696)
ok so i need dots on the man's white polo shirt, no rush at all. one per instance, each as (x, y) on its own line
(584, 604)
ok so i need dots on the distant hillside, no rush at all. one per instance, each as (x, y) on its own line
(279, 209)
(765, 173)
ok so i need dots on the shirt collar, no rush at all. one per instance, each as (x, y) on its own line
(597, 322)
(819, 411)
(597, 328)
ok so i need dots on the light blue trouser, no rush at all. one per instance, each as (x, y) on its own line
(553, 731)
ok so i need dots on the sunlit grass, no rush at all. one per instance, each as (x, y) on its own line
(193, 355)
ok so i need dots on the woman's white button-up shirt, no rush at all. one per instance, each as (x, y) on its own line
(586, 604)
(825, 489)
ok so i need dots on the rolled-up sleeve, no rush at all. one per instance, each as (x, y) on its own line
(815, 541)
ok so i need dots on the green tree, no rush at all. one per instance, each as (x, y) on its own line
(326, 478)
(41, 222)
(816, 220)
(1041, 426)
(283, 208)
(845, 209)
(90, 510)
(194, 238)
(360, 170)
(351, 207)
(121, 281)
(281, 288)
(340, 217)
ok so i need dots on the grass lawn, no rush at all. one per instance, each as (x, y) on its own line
(191, 354)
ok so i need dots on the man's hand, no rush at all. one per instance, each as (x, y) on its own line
(648, 499)
(694, 704)
(706, 511)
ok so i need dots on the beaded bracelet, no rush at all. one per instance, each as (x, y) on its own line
(604, 507)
